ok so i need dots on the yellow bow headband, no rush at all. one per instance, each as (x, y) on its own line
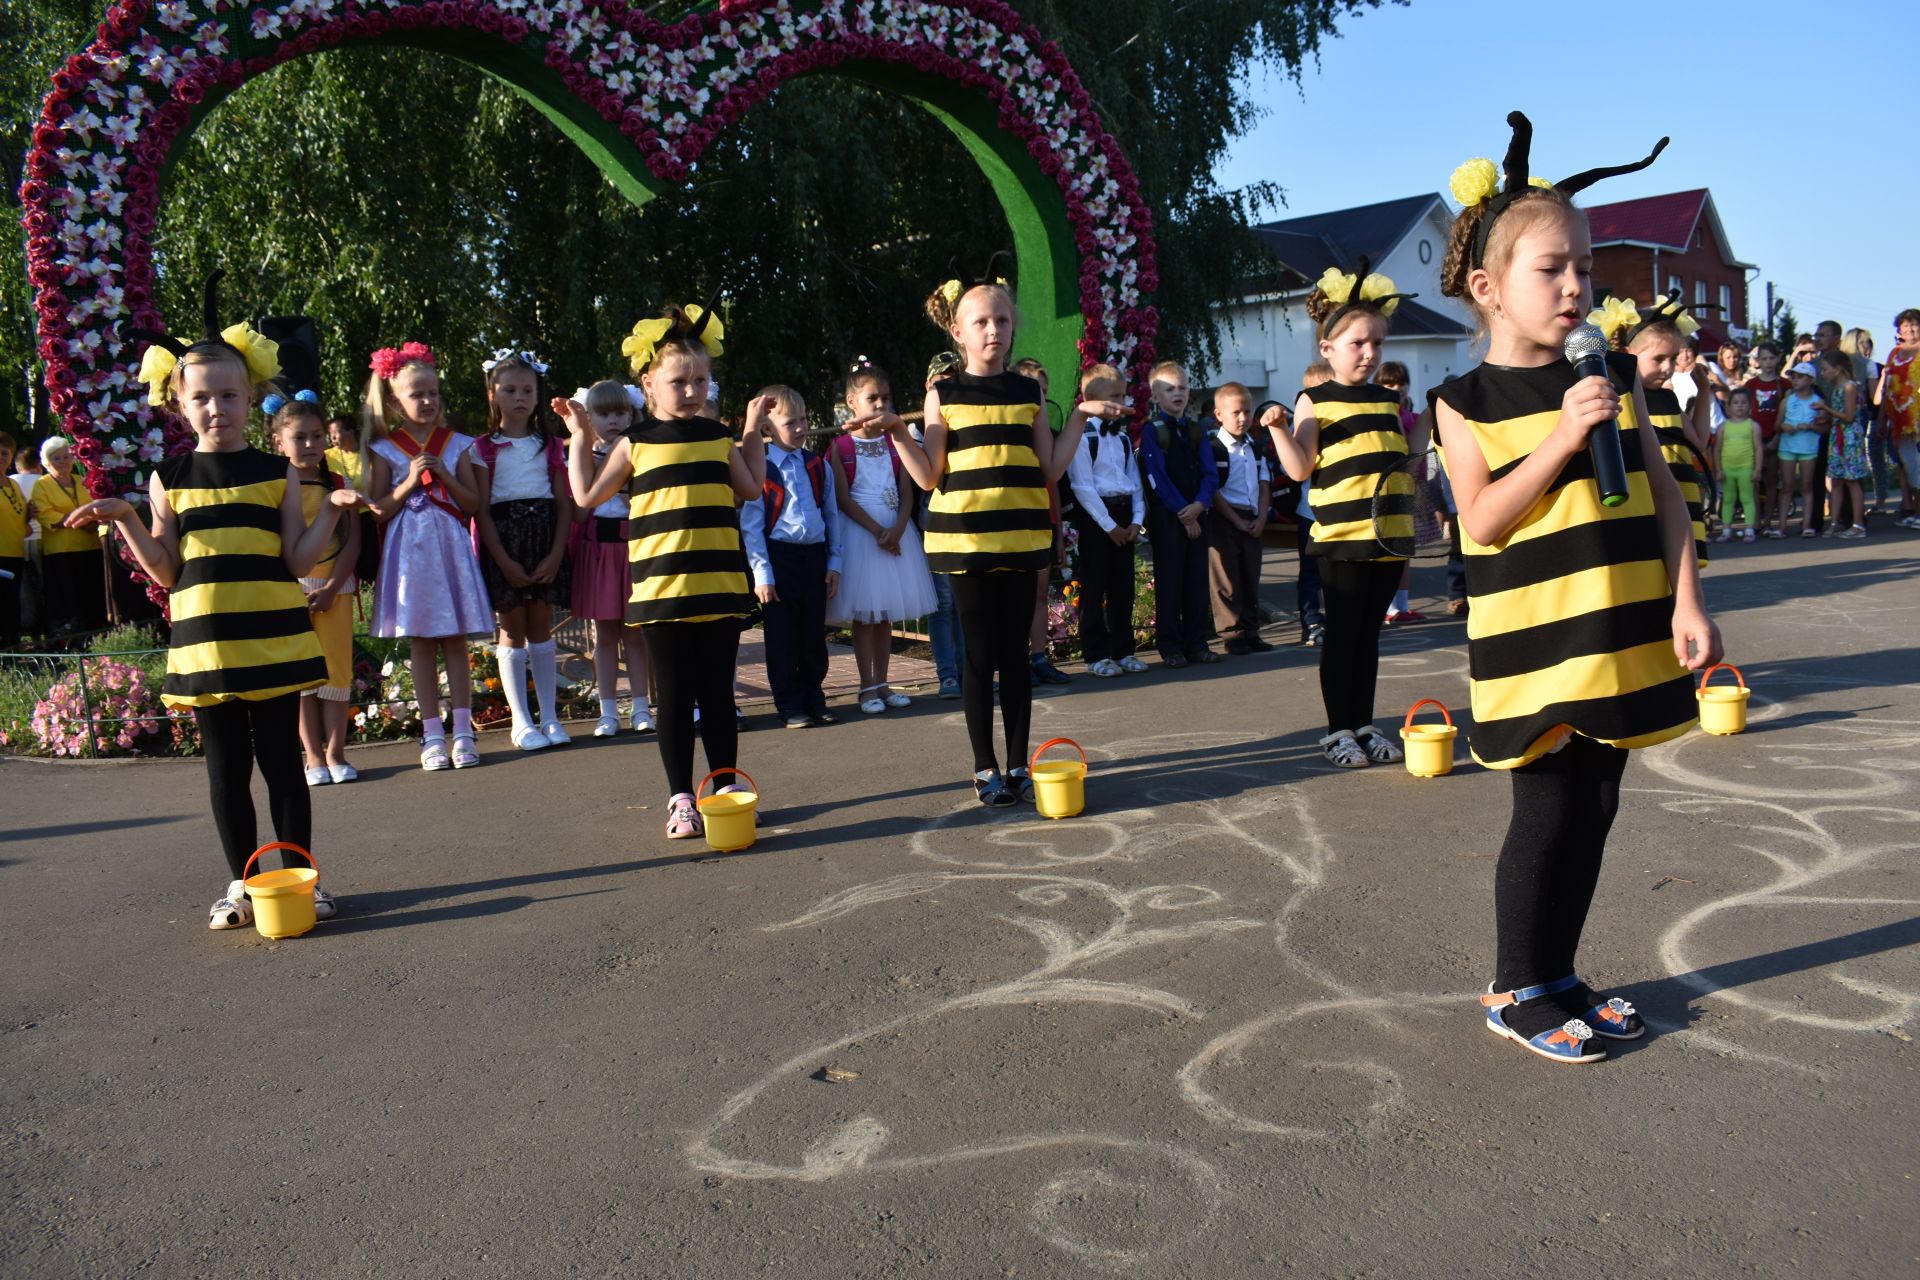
(699, 323)
(261, 353)
(1338, 287)
(1622, 321)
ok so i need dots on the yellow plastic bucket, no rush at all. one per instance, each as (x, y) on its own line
(282, 900)
(1723, 709)
(728, 815)
(1059, 786)
(1429, 746)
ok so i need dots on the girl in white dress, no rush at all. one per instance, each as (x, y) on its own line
(883, 577)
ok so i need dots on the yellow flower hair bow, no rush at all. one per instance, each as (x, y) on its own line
(1474, 182)
(1337, 286)
(261, 353)
(950, 291)
(1615, 316)
(1673, 309)
(647, 335)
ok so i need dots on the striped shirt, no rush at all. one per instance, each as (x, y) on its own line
(240, 623)
(684, 557)
(1669, 424)
(989, 511)
(1571, 617)
(1360, 440)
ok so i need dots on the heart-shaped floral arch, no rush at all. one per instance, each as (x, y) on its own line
(641, 97)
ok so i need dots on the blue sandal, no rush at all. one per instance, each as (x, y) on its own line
(1571, 1044)
(1611, 1019)
(990, 789)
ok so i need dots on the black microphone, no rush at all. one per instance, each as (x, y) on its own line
(1587, 349)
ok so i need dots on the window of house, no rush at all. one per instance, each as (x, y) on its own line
(1699, 295)
(1673, 288)
(1726, 304)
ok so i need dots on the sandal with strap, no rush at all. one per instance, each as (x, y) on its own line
(1020, 782)
(990, 789)
(1611, 1019)
(1344, 751)
(1570, 1044)
(433, 753)
(1379, 747)
(466, 751)
(683, 820)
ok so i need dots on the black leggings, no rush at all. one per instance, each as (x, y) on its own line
(1563, 807)
(693, 666)
(996, 612)
(1355, 595)
(236, 735)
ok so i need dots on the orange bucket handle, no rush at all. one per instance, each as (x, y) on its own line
(1414, 710)
(751, 784)
(1057, 742)
(1722, 666)
(279, 844)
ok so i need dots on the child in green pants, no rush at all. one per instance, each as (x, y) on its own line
(1736, 451)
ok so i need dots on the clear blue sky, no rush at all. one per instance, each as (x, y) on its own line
(1801, 119)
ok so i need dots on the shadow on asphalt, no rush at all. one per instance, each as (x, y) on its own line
(1670, 1001)
(86, 828)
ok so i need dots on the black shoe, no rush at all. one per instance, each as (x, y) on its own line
(1020, 782)
(823, 719)
(1044, 672)
(1203, 657)
(1239, 648)
(1173, 661)
(1257, 645)
(1314, 635)
(740, 724)
(992, 790)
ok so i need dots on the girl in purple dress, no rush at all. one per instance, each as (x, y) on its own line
(429, 588)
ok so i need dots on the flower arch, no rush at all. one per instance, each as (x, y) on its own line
(642, 98)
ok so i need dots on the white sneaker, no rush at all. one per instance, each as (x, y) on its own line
(232, 911)
(1132, 665)
(1105, 668)
(324, 907)
(555, 735)
(1379, 747)
(342, 772)
(873, 706)
(529, 739)
(317, 776)
(608, 727)
(899, 700)
(643, 719)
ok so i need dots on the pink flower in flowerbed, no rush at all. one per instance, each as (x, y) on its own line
(128, 717)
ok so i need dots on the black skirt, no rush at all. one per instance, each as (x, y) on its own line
(526, 536)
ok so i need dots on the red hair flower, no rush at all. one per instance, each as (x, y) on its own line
(389, 361)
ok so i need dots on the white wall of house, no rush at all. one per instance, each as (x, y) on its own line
(1267, 342)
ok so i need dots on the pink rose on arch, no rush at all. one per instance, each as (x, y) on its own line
(138, 298)
(409, 19)
(60, 374)
(489, 18)
(190, 89)
(514, 29)
(556, 57)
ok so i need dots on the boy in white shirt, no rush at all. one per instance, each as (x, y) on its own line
(1109, 506)
(1238, 520)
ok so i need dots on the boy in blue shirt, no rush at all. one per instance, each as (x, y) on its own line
(789, 540)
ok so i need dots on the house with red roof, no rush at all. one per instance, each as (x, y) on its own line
(1672, 244)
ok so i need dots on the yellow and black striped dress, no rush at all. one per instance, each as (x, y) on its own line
(989, 511)
(1571, 617)
(684, 558)
(1664, 412)
(240, 622)
(1360, 439)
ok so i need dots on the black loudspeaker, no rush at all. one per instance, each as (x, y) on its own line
(299, 350)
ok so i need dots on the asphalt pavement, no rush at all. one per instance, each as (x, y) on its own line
(1221, 1024)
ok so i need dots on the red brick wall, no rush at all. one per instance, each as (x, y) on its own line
(1627, 271)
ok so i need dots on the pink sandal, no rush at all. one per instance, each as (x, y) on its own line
(683, 821)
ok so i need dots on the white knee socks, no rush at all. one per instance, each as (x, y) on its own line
(545, 675)
(513, 681)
